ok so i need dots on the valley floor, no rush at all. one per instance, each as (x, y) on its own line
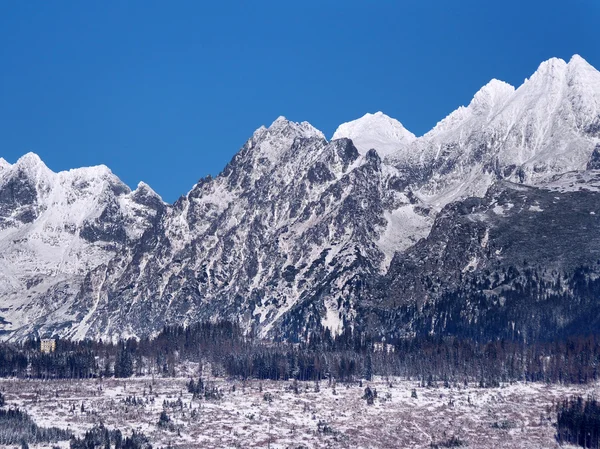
(512, 416)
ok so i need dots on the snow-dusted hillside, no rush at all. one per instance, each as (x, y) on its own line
(55, 228)
(295, 230)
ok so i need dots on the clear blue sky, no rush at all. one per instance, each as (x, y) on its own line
(167, 92)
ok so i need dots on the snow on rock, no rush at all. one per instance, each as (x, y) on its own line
(405, 226)
(491, 97)
(280, 135)
(54, 229)
(548, 126)
(376, 131)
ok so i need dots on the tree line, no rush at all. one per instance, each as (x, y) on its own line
(347, 357)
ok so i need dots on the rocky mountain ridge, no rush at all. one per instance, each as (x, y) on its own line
(296, 233)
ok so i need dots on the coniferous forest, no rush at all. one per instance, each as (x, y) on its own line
(579, 422)
(347, 357)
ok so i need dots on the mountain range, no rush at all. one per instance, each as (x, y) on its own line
(485, 226)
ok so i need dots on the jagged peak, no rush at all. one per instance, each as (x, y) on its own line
(143, 186)
(259, 131)
(144, 189)
(145, 195)
(279, 120)
(552, 64)
(32, 162)
(558, 68)
(379, 131)
(302, 129)
(4, 163)
(94, 170)
(36, 170)
(554, 85)
(33, 167)
(271, 142)
(493, 98)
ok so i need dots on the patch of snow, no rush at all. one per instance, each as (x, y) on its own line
(472, 265)
(486, 238)
(404, 228)
(331, 320)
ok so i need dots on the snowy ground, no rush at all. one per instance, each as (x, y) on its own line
(512, 416)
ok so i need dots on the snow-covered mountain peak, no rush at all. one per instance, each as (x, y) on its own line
(548, 77)
(143, 187)
(29, 159)
(491, 96)
(584, 78)
(3, 163)
(281, 120)
(549, 125)
(557, 100)
(93, 172)
(30, 162)
(578, 61)
(378, 131)
(486, 103)
(547, 70)
(30, 167)
(551, 65)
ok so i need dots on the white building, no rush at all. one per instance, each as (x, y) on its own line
(48, 345)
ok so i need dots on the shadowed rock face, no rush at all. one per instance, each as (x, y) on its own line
(594, 162)
(511, 262)
(510, 225)
(17, 199)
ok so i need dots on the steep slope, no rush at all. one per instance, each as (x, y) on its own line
(56, 227)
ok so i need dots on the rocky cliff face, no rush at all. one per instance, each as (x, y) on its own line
(299, 232)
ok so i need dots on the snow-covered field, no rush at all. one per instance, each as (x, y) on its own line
(336, 416)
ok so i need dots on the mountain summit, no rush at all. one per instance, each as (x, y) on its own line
(376, 131)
